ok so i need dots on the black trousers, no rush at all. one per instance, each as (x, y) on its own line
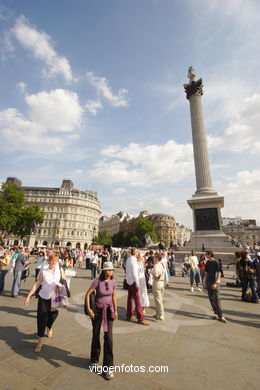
(108, 358)
(45, 317)
(215, 301)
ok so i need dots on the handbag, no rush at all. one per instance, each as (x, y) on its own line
(25, 273)
(65, 284)
(59, 299)
(92, 302)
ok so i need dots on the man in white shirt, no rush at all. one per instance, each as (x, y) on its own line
(133, 287)
(194, 271)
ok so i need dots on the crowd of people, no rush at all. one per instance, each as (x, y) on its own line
(146, 273)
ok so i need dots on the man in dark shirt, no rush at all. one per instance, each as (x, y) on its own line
(20, 264)
(212, 281)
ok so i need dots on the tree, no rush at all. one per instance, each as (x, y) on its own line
(15, 218)
(103, 238)
(137, 237)
(143, 227)
(118, 239)
(27, 219)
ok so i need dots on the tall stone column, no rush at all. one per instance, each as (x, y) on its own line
(194, 92)
(205, 203)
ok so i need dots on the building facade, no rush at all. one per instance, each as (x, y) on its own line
(183, 234)
(165, 225)
(71, 215)
(244, 231)
(112, 224)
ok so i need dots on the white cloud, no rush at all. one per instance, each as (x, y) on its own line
(145, 165)
(25, 135)
(57, 110)
(103, 89)
(40, 45)
(6, 45)
(242, 194)
(243, 133)
(49, 113)
(118, 191)
(78, 172)
(93, 106)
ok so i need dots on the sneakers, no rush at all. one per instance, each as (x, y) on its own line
(214, 317)
(109, 374)
(199, 289)
(222, 319)
(144, 322)
(191, 289)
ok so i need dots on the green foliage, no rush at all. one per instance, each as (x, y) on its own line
(103, 238)
(27, 219)
(143, 227)
(118, 239)
(137, 237)
(15, 218)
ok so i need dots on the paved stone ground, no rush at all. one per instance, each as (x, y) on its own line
(200, 353)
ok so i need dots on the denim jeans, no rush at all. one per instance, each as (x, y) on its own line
(194, 275)
(16, 282)
(2, 279)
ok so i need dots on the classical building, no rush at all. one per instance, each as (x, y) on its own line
(165, 227)
(112, 224)
(71, 215)
(183, 234)
(244, 231)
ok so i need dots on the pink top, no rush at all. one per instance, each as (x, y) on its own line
(104, 291)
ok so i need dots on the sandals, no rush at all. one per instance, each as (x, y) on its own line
(49, 333)
(38, 348)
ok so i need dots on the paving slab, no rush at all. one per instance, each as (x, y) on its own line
(197, 352)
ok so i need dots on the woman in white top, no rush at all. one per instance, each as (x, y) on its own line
(142, 283)
(49, 278)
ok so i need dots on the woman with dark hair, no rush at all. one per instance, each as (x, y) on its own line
(105, 311)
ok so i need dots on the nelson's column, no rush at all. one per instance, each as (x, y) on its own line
(205, 203)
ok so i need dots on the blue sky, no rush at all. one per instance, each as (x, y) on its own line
(93, 91)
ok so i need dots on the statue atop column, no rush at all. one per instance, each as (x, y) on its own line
(191, 74)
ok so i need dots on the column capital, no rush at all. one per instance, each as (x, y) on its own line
(193, 88)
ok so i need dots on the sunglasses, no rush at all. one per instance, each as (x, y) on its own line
(106, 285)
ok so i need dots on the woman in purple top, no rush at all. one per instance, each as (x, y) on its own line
(106, 312)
